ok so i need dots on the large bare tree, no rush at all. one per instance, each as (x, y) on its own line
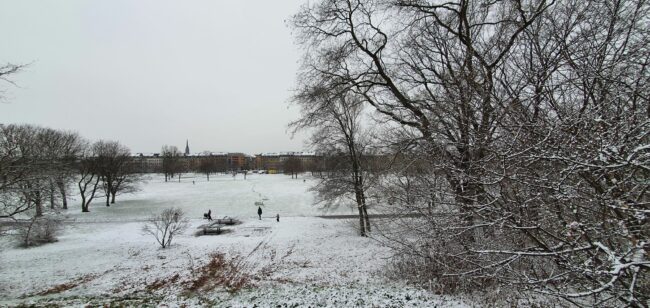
(335, 115)
(523, 135)
(89, 177)
(116, 168)
(23, 171)
(171, 161)
(207, 165)
(292, 165)
(32, 161)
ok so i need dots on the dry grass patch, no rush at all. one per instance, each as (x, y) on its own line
(229, 273)
(162, 282)
(68, 285)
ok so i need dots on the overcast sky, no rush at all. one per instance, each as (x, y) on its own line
(148, 73)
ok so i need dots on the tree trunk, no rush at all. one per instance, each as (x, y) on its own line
(28, 233)
(82, 194)
(39, 207)
(362, 195)
(108, 197)
(51, 195)
(358, 190)
(64, 197)
(83, 189)
(362, 224)
(84, 206)
(365, 211)
(113, 193)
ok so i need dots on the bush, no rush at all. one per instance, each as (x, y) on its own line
(38, 231)
(166, 225)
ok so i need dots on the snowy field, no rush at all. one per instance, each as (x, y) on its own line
(225, 195)
(102, 257)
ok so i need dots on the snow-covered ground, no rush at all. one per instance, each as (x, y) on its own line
(223, 194)
(103, 257)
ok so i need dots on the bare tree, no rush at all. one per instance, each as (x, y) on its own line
(207, 165)
(31, 159)
(292, 165)
(38, 230)
(115, 166)
(335, 113)
(522, 135)
(18, 172)
(171, 161)
(6, 71)
(30, 165)
(582, 122)
(62, 148)
(126, 181)
(222, 164)
(166, 225)
(88, 178)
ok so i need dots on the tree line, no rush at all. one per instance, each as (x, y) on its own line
(40, 167)
(521, 129)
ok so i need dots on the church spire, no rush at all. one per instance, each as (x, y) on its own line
(187, 147)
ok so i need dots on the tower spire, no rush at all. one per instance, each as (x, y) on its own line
(187, 147)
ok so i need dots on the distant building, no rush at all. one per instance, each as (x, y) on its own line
(226, 162)
(274, 162)
(239, 161)
(147, 162)
(220, 160)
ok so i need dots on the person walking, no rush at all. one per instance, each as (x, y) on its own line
(259, 212)
(277, 217)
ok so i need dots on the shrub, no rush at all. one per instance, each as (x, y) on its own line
(38, 231)
(166, 225)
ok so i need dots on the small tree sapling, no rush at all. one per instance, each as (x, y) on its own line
(166, 225)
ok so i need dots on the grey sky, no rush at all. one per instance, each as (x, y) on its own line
(148, 73)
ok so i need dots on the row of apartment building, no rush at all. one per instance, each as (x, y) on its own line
(225, 162)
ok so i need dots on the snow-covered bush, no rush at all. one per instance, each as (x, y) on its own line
(166, 225)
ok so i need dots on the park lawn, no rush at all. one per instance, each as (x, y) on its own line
(103, 257)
